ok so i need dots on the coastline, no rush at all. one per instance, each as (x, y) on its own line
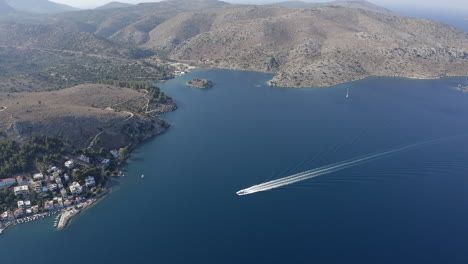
(69, 212)
(273, 83)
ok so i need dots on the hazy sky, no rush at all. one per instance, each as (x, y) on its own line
(457, 4)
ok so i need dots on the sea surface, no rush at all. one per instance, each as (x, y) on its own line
(410, 207)
(455, 18)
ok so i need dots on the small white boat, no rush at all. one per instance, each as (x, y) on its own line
(347, 92)
(142, 176)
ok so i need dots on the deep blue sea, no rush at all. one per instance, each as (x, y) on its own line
(455, 18)
(410, 207)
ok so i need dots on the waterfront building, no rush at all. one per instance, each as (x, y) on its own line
(49, 205)
(58, 180)
(19, 213)
(20, 204)
(27, 204)
(7, 216)
(58, 202)
(68, 203)
(35, 209)
(7, 182)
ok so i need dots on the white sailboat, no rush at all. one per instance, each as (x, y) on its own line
(347, 92)
(142, 176)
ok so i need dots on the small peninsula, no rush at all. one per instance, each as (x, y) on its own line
(200, 83)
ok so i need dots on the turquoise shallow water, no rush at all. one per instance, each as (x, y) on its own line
(411, 207)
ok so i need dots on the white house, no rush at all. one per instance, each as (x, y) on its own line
(21, 204)
(24, 190)
(70, 164)
(75, 188)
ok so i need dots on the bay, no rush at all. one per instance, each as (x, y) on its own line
(411, 207)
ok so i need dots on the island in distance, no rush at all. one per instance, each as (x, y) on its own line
(200, 83)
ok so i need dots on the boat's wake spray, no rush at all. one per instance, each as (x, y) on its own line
(327, 169)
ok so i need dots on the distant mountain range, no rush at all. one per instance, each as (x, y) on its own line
(113, 5)
(39, 6)
(313, 46)
(318, 46)
(131, 25)
(360, 4)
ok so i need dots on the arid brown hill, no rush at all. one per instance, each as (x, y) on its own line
(314, 46)
(79, 113)
(53, 37)
(360, 4)
(131, 25)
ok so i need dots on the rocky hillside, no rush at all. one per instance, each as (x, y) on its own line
(79, 113)
(131, 25)
(360, 4)
(53, 37)
(39, 6)
(314, 46)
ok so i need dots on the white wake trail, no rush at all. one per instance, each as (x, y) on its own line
(324, 170)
